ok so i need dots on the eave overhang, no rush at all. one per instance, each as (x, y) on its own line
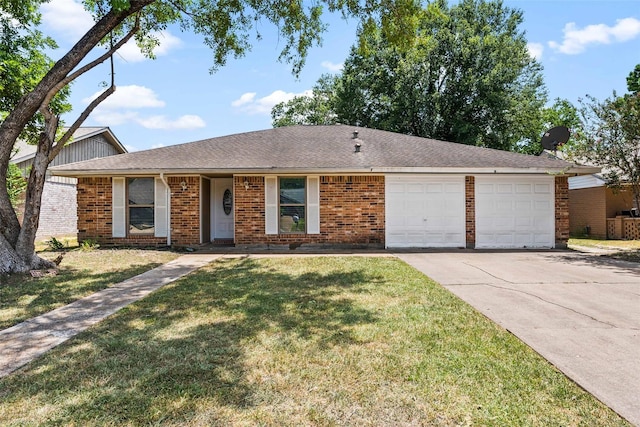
(573, 170)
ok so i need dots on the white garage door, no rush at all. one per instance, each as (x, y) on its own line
(515, 211)
(424, 211)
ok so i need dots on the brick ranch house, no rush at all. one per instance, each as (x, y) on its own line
(324, 186)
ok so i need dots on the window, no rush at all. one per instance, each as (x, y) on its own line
(292, 205)
(140, 205)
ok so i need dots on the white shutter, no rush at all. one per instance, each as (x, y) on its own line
(313, 205)
(160, 208)
(118, 208)
(271, 204)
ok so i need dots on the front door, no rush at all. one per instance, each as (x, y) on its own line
(222, 209)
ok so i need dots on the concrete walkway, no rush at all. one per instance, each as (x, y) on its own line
(28, 340)
(579, 311)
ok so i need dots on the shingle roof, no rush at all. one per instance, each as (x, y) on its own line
(312, 148)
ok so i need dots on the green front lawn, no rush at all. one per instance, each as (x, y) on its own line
(81, 273)
(627, 250)
(297, 341)
(606, 244)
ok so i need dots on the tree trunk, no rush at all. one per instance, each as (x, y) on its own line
(17, 242)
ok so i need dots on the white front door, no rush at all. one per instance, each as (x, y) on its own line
(424, 211)
(222, 209)
(515, 211)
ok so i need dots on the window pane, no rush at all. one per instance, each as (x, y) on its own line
(292, 191)
(141, 191)
(140, 220)
(292, 219)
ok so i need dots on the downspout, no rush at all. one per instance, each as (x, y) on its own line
(164, 181)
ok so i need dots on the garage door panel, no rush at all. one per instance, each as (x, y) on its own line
(543, 189)
(515, 214)
(434, 188)
(432, 214)
(504, 189)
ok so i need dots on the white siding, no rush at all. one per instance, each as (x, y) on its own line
(585, 181)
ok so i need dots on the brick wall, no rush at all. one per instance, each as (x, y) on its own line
(562, 211)
(58, 212)
(95, 216)
(618, 200)
(470, 210)
(587, 207)
(185, 210)
(351, 212)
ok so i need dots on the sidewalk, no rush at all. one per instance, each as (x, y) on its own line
(28, 340)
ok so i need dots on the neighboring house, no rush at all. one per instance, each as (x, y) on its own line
(593, 208)
(58, 215)
(324, 186)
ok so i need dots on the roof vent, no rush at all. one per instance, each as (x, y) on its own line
(358, 145)
(355, 134)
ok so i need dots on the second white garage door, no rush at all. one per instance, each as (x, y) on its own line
(515, 211)
(424, 211)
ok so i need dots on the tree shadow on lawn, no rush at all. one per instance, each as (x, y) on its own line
(626, 263)
(47, 293)
(186, 345)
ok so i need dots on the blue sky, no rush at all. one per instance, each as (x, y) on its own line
(585, 47)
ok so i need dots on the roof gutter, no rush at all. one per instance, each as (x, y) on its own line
(168, 195)
(569, 170)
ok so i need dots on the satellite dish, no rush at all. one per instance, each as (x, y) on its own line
(555, 137)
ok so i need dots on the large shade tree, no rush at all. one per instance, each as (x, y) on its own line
(468, 78)
(226, 27)
(610, 136)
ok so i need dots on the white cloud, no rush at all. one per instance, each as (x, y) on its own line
(130, 52)
(535, 50)
(120, 108)
(188, 121)
(132, 96)
(113, 118)
(246, 98)
(576, 39)
(67, 17)
(248, 103)
(334, 68)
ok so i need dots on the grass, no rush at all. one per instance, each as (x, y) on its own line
(80, 274)
(627, 250)
(297, 341)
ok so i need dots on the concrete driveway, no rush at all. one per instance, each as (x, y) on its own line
(581, 312)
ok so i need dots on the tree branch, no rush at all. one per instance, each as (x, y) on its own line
(74, 127)
(109, 54)
(24, 110)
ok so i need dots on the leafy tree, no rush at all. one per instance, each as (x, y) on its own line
(633, 80)
(468, 78)
(561, 113)
(610, 138)
(16, 184)
(226, 27)
(316, 108)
